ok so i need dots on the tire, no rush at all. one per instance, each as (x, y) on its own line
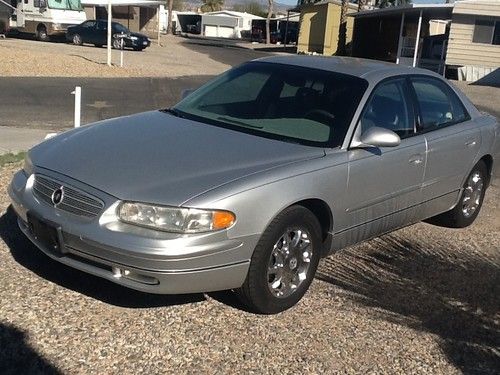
(77, 40)
(470, 203)
(41, 33)
(273, 284)
(116, 44)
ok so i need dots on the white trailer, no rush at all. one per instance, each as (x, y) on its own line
(43, 17)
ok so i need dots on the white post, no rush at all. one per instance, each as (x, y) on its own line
(158, 25)
(78, 105)
(109, 33)
(121, 52)
(417, 41)
(400, 40)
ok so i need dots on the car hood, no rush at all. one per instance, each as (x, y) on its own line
(159, 158)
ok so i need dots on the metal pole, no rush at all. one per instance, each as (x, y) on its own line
(78, 105)
(121, 52)
(159, 24)
(417, 41)
(109, 32)
(286, 27)
(400, 40)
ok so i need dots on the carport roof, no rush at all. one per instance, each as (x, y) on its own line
(441, 11)
(104, 3)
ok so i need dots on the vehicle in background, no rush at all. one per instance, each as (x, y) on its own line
(96, 32)
(43, 18)
(278, 30)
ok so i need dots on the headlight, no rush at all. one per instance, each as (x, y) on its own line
(173, 219)
(133, 38)
(28, 165)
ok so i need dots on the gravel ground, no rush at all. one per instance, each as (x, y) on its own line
(421, 300)
(173, 58)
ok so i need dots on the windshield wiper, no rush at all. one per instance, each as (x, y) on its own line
(236, 122)
(173, 111)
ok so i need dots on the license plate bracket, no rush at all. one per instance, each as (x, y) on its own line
(47, 233)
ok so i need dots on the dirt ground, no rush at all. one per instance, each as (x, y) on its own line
(174, 57)
(423, 300)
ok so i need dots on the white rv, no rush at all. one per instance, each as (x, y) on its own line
(44, 17)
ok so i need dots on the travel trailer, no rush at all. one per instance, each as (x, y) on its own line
(43, 18)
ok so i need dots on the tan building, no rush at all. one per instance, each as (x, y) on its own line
(474, 42)
(319, 27)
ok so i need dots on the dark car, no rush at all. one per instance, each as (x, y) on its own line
(96, 32)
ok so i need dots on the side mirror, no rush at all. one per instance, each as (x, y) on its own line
(379, 137)
(186, 93)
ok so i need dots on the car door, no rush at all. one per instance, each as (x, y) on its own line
(453, 141)
(87, 29)
(100, 33)
(384, 184)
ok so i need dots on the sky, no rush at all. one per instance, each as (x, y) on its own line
(294, 2)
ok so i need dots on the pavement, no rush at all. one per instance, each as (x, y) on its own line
(47, 103)
(15, 140)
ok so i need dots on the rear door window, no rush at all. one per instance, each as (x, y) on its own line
(439, 105)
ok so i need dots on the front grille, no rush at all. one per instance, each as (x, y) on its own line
(74, 201)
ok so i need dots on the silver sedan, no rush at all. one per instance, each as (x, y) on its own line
(251, 179)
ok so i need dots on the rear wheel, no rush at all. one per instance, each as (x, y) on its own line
(284, 262)
(41, 33)
(470, 203)
(77, 40)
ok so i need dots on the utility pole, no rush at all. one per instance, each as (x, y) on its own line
(109, 33)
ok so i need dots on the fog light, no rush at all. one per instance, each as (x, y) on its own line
(118, 272)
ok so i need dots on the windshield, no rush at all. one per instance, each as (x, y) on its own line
(65, 4)
(119, 28)
(296, 104)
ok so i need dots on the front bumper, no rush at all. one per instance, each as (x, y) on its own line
(138, 258)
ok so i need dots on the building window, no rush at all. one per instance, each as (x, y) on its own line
(487, 31)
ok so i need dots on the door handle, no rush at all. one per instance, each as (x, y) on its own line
(470, 143)
(416, 159)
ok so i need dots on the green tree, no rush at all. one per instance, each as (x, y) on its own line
(342, 39)
(391, 3)
(212, 5)
(252, 7)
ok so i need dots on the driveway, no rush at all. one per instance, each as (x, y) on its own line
(422, 300)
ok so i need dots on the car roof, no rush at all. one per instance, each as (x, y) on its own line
(363, 68)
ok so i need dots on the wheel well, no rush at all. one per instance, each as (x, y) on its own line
(41, 26)
(488, 160)
(322, 211)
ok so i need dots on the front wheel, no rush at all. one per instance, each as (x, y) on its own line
(77, 40)
(470, 203)
(117, 44)
(41, 33)
(284, 262)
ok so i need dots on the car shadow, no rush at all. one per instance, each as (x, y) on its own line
(27, 255)
(439, 288)
(18, 357)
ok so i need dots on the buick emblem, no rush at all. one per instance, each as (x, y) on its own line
(58, 196)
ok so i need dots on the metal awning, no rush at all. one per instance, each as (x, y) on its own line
(441, 11)
(137, 3)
